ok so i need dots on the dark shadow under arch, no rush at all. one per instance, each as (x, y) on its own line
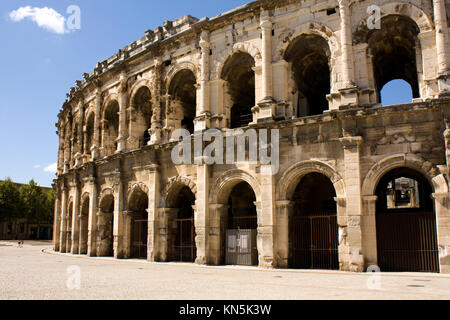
(240, 77)
(309, 55)
(313, 225)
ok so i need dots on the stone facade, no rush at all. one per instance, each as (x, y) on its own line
(313, 70)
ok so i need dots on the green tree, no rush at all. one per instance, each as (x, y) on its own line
(10, 201)
(49, 206)
(34, 201)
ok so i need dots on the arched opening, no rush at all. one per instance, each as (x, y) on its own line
(394, 49)
(240, 89)
(139, 221)
(89, 133)
(110, 128)
(242, 224)
(396, 92)
(313, 227)
(183, 94)
(105, 224)
(69, 228)
(182, 228)
(84, 223)
(309, 56)
(406, 223)
(140, 117)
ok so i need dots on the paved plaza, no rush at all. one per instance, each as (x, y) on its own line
(36, 272)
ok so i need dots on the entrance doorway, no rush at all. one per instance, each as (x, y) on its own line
(406, 223)
(313, 228)
(184, 248)
(139, 222)
(105, 234)
(242, 223)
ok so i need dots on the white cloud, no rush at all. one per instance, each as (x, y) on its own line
(46, 18)
(51, 168)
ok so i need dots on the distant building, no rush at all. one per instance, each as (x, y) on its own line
(22, 229)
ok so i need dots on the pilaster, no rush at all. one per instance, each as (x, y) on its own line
(123, 96)
(118, 218)
(266, 218)
(75, 218)
(442, 209)
(442, 46)
(201, 214)
(92, 219)
(98, 106)
(167, 230)
(203, 116)
(153, 242)
(156, 127)
(217, 233)
(63, 233)
(350, 245)
(57, 222)
(284, 214)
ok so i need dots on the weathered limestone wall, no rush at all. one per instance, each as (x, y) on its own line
(354, 142)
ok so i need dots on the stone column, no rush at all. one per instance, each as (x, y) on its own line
(284, 212)
(57, 223)
(155, 130)
(426, 65)
(118, 221)
(217, 103)
(350, 247)
(201, 213)
(442, 45)
(121, 139)
(265, 109)
(266, 53)
(73, 146)
(63, 229)
(96, 143)
(127, 226)
(66, 152)
(348, 91)
(362, 58)
(217, 232)
(80, 140)
(266, 218)
(153, 242)
(92, 217)
(369, 232)
(442, 205)
(60, 151)
(281, 72)
(166, 232)
(346, 40)
(85, 146)
(75, 219)
(203, 109)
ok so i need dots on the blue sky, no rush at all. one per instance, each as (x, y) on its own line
(40, 65)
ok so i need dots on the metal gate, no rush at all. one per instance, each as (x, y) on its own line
(315, 242)
(407, 241)
(184, 248)
(139, 242)
(241, 247)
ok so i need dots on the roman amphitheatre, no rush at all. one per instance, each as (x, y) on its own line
(360, 184)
